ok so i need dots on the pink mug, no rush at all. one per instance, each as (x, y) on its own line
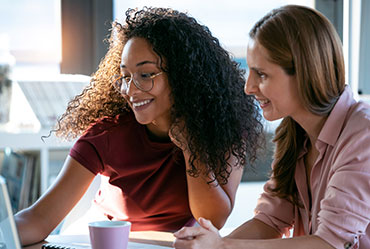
(109, 234)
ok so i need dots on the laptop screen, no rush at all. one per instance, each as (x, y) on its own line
(8, 232)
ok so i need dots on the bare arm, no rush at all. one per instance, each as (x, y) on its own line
(207, 236)
(212, 202)
(36, 222)
(254, 229)
(303, 242)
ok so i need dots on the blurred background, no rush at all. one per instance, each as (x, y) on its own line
(49, 48)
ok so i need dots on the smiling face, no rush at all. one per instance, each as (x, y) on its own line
(274, 89)
(151, 108)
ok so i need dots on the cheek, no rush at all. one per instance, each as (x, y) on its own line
(266, 90)
(168, 100)
(166, 95)
(127, 99)
(162, 93)
(164, 101)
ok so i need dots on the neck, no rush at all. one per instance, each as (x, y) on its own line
(158, 132)
(312, 124)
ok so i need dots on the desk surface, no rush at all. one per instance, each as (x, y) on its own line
(145, 237)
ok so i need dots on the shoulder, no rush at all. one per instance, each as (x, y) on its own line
(109, 132)
(361, 110)
(110, 124)
(352, 144)
(358, 119)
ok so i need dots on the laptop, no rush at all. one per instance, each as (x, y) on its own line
(9, 238)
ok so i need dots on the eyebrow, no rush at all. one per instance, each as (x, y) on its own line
(140, 63)
(256, 69)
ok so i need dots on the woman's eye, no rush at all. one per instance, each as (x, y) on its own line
(146, 75)
(126, 78)
(261, 75)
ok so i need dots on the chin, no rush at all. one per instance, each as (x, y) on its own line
(271, 118)
(142, 120)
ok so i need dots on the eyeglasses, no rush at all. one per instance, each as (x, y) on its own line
(142, 81)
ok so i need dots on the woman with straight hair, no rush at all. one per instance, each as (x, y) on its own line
(320, 182)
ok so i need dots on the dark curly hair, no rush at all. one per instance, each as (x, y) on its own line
(207, 90)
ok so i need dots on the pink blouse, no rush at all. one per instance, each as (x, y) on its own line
(340, 183)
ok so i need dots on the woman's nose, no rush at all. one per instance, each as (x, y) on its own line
(250, 86)
(131, 89)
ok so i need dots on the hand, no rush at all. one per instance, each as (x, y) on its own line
(178, 135)
(205, 236)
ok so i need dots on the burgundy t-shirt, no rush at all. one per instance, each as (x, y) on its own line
(143, 182)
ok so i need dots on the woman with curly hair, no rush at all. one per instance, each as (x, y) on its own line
(320, 181)
(166, 124)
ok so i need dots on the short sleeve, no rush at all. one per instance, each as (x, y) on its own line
(87, 155)
(274, 211)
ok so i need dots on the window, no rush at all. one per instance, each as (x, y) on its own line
(229, 21)
(33, 30)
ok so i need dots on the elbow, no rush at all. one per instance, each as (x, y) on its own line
(29, 228)
(219, 224)
(219, 221)
(222, 214)
(218, 217)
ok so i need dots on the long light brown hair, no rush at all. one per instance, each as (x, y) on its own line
(305, 44)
